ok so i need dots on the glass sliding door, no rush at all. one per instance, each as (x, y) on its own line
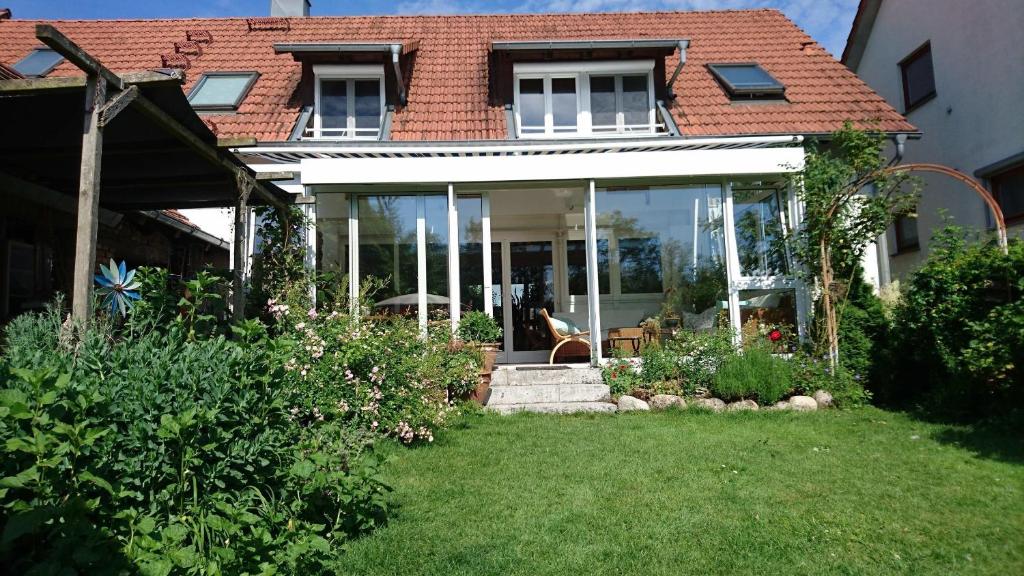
(332, 244)
(471, 258)
(526, 271)
(435, 213)
(387, 251)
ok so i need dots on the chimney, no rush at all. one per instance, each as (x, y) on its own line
(289, 8)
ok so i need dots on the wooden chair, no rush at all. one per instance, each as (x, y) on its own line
(562, 339)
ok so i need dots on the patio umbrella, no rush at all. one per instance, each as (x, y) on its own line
(411, 299)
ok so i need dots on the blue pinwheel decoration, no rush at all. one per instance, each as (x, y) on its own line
(117, 287)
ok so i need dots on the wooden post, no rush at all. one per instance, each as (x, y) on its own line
(88, 198)
(241, 248)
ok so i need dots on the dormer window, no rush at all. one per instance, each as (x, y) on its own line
(747, 81)
(349, 102)
(221, 91)
(584, 99)
(39, 62)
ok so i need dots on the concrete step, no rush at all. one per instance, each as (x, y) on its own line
(555, 408)
(548, 393)
(544, 375)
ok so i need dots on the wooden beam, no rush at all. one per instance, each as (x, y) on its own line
(237, 142)
(88, 199)
(117, 103)
(29, 85)
(240, 251)
(266, 176)
(63, 45)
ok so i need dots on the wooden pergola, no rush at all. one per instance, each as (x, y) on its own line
(137, 130)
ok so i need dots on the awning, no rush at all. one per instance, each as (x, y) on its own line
(144, 166)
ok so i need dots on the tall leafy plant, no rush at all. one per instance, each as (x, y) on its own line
(842, 215)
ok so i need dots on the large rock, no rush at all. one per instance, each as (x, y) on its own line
(803, 403)
(631, 404)
(741, 405)
(781, 405)
(824, 399)
(666, 401)
(715, 404)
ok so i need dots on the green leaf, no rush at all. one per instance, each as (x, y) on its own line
(146, 525)
(92, 478)
(21, 479)
(24, 523)
(174, 533)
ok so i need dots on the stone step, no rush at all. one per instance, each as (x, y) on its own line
(548, 393)
(533, 376)
(554, 408)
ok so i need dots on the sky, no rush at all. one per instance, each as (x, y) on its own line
(827, 21)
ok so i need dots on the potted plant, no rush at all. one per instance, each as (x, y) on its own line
(480, 330)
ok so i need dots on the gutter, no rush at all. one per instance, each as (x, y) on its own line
(193, 231)
(514, 146)
(683, 45)
(518, 45)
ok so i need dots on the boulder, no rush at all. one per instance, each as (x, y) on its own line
(781, 405)
(803, 403)
(666, 401)
(824, 399)
(630, 404)
(741, 405)
(714, 404)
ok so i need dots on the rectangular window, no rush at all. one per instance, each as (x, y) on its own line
(39, 62)
(576, 264)
(221, 90)
(906, 234)
(747, 80)
(1008, 189)
(918, 77)
(349, 103)
(760, 232)
(584, 98)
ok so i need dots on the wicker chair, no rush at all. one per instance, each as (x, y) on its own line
(562, 339)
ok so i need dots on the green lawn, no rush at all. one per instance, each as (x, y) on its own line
(862, 492)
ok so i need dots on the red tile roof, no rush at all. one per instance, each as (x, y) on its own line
(448, 92)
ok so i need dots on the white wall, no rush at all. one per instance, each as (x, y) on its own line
(977, 117)
(215, 221)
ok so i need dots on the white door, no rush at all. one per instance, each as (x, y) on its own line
(525, 265)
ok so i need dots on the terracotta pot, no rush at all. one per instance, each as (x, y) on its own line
(482, 390)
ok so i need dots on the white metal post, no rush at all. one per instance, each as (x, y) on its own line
(485, 239)
(454, 290)
(593, 289)
(421, 261)
(732, 262)
(353, 253)
(310, 213)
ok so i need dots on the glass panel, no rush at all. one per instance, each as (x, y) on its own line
(906, 233)
(531, 105)
(471, 258)
(769, 316)
(640, 265)
(746, 76)
(576, 262)
(497, 300)
(220, 90)
(334, 107)
(387, 250)
(332, 233)
(602, 103)
(667, 262)
(636, 104)
(532, 288)
(918, 77)
(367, 107)
(563, 104)
(760, 243)
(38, 62)
(436, 213)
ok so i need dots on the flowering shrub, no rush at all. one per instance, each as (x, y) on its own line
(379, 375)
(700, 354)
(811, 373)
(621, 374)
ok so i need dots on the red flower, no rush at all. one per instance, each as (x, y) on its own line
(775, 335)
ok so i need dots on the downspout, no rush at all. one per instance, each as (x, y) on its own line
(683, 45)
(900, 140)
(396, 51)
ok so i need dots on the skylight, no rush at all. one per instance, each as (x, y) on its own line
(221, 90)
(39, 62)
(747, 80)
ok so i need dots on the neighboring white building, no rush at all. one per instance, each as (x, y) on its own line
(955, 69)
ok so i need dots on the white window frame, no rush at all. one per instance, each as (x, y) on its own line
(581, 72)
(351, 73)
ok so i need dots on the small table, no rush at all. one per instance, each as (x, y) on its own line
(631, 335)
